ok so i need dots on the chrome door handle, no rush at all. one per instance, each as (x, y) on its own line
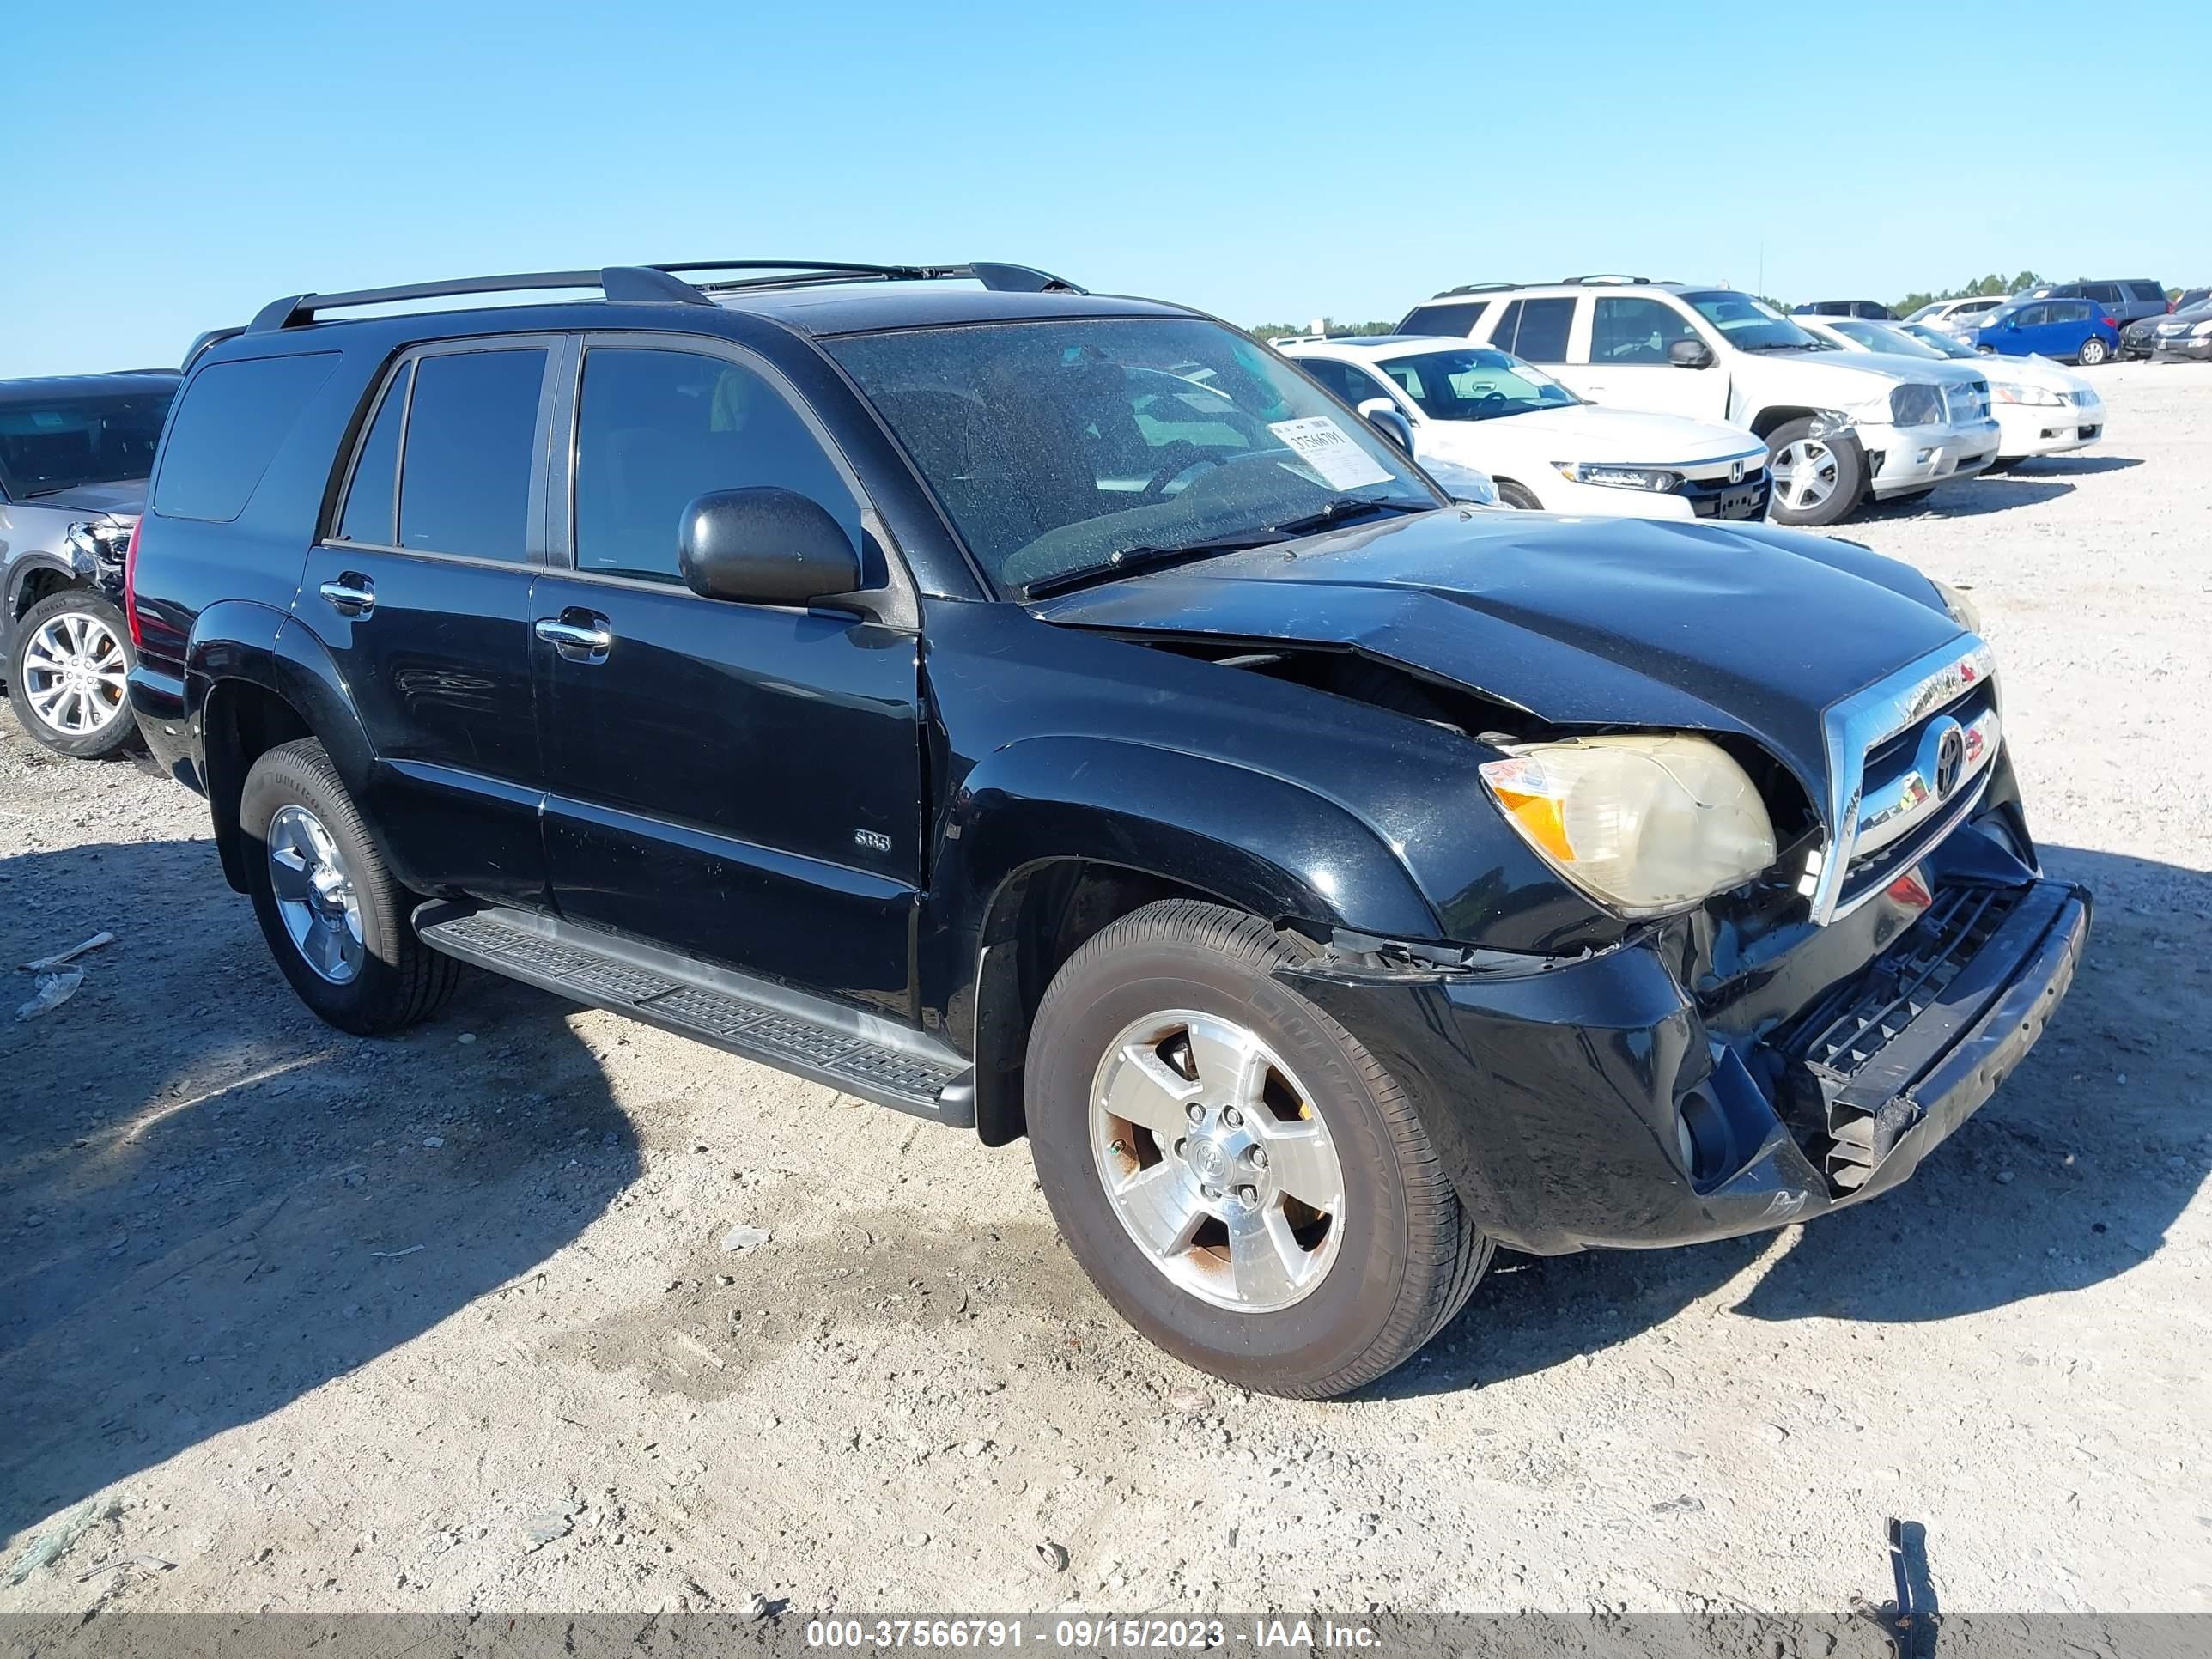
(578, 641)
(352, 594)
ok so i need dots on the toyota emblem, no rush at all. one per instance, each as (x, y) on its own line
(1950, 760)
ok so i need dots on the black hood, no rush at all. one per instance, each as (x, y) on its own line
(126, 498)
(1580, 622)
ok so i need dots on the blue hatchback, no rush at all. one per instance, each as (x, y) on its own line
(2077, 331)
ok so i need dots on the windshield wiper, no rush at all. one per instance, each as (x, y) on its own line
(1130, 561)
(1334, 513)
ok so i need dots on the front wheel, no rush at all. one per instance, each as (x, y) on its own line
(1817, 478)
(335, 919)
(1238, 1176)
(2093, 351)
(1513, 495)
(68, 675)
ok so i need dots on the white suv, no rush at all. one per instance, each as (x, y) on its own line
(1840, 428)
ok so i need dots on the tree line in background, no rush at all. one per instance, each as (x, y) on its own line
(1986, 287)
(1265, 332)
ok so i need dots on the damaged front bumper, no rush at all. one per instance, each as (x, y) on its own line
(1602, 1102)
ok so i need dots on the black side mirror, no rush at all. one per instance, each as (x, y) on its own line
(765, 547)
(1690, 354)
(1390, 422)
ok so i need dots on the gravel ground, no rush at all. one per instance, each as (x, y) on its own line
(297, 1322)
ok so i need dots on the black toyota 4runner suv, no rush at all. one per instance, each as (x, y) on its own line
(1055, 716)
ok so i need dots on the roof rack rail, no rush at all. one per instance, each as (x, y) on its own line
(806, 273)
(616, 282)
(1475, 288)
(1605, 279)
(657, 282)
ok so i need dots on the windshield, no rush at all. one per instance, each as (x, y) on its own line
(69, 442)
(1473, 384)
(1056, 447)
(1881, 336)
(1943, 345)
(1750, 325)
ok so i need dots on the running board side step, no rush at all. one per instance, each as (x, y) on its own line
(854, 1053)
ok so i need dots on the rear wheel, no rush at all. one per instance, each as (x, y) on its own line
(336, 921)
(1239, 1176)
(68, 675)
(1817, 478)
(2093, 351)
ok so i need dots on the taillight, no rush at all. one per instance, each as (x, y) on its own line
(131, 583)
(2109, 323)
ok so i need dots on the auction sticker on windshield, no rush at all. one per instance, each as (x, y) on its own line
(1327, 448)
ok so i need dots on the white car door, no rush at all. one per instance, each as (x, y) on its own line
(1624, 359)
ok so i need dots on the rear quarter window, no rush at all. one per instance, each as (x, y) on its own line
(227, 429)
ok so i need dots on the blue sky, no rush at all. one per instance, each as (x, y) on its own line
(180, 166)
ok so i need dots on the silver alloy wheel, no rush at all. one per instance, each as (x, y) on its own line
(315, 894)
(1804, 474)
(75, 674)
(2093, 352)
(1217, 1161)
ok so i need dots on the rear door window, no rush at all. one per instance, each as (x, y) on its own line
(373, 498)
(465, 479)
(232, 419)
(2105, 294)
(1540, 331)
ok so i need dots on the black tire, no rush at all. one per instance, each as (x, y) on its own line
(1409, 1257)
(400, 980)
(1513, 495)
(1848, 462)
(118, 730)
(2093, 351)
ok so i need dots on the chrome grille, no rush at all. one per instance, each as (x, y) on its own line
(1908, 760)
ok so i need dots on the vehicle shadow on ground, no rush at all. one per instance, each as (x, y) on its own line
(2066, 466)
(1970, 498)
(2069, 1177)
(215, 1204)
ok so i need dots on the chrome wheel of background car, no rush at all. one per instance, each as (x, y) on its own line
(1216, 1161)
(2092, 353)
(1804, 474)
(75, 674)
(315, 894)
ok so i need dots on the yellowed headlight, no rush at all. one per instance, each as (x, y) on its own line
(1646, 824)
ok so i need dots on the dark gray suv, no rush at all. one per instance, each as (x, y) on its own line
(75, 454)
(2124, 302)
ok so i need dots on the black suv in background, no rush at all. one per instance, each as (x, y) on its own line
(1053, 714)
